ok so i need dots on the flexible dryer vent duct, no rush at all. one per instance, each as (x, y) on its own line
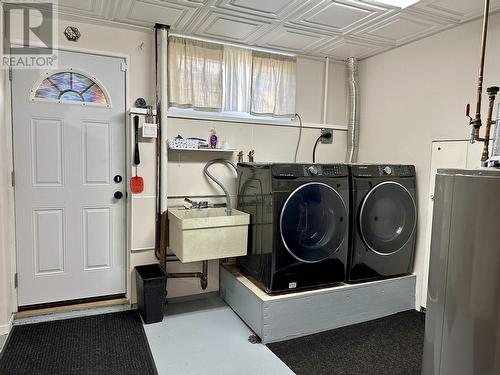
(353, 125)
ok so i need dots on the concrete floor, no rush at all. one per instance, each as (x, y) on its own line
(197, 337)
(207, 337)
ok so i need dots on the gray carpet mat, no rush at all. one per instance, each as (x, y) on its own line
(102, 344)
(388, 346)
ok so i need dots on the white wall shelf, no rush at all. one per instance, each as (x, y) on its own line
(221, 150)
(141, 111)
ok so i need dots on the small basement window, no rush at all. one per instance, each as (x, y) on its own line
(69, 86)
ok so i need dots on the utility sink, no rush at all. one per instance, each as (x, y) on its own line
(207, 233)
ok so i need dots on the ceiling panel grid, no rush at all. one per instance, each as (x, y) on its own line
(324, 28)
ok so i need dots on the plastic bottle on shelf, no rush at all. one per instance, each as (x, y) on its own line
(212, 141)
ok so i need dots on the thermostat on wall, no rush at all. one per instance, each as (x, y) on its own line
(149, 130)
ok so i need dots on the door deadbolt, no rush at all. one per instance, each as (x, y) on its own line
(118, 195)
(118, 178)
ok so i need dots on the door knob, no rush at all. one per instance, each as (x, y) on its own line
(118, 195)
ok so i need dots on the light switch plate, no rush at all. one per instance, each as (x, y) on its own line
(149, 130)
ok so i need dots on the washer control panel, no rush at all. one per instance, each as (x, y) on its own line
(313, 170)
(310, 170)
(326, 170)
(383, 170)
(335, 170)
(387, 170)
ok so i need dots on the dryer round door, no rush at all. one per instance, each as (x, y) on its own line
(313, 222)
(387, 218)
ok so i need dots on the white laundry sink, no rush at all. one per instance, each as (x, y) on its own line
(207, 233)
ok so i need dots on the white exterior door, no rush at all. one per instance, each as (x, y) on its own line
(69, 149)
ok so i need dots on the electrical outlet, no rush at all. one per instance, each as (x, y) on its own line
(327, 140)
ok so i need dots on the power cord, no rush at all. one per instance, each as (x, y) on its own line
(300, 137)
(325, 136)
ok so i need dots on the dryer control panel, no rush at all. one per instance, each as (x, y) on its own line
(383, 170)
(310, 170)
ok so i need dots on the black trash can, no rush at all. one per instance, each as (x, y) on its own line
(151, 281)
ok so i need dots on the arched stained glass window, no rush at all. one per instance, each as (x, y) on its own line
(71, 86)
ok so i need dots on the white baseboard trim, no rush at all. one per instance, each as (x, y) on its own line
(6, 327)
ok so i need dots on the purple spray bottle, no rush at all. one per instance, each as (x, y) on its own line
(213, 138)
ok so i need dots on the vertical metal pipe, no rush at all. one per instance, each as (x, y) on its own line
(494, 160)
(162, 100)
(204, 278)
(161, 52)
(477, 120)
(492, 92)
(325, 87)
(496, 137)
(353, 125)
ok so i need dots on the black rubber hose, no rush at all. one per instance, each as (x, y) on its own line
(325, 136)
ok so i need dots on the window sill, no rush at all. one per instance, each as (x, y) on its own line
(208, 116)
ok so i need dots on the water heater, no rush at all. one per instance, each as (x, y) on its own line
(462, 328)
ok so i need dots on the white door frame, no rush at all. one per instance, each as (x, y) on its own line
(128, 156)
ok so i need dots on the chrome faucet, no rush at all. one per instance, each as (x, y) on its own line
(188, 204)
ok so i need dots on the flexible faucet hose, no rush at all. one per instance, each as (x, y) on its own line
(221, 185)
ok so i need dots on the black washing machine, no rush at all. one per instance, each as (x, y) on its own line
(384, 221)
(299, 224)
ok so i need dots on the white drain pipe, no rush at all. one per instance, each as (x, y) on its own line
(353, 125)
(325, 89)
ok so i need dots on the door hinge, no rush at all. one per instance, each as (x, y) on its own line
(16, 280)
(13, 178)
(123, 66)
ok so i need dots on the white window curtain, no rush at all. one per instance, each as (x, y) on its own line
(195, 74)
(237, 79)
(273, 84)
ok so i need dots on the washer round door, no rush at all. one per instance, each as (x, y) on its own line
(313, 222)
(387, 218)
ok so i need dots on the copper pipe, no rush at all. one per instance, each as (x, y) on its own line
(184, 275)
(477, 120)
(203, 275)
(171, 258)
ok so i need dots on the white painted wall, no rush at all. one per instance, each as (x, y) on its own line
(417, 93)
(271, 143)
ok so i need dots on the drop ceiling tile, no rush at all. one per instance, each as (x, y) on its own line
(89, 8)
(148, 12)
(286, 38)
(402, 28)
(274, 9)
(344, 48)
(457, 10)
(336, 28)
(339, 16)
(229, 27)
